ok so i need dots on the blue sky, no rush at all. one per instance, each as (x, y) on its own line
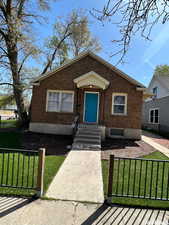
(142, 57)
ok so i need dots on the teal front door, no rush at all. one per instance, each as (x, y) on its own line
(91, 107)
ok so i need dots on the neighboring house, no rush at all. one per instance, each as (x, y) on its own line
(92, 88)
(156, 108)
(7, 107)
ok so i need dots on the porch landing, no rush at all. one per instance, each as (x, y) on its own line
(79, 178)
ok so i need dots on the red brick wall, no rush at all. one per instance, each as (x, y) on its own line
(63, 80)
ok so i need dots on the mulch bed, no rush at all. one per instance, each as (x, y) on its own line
(125, 148)
(57, 145)
(54, 144)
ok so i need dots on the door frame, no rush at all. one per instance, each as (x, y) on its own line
(98, 105)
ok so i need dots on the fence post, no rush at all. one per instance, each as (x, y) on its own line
(110, 179)
(41, 165)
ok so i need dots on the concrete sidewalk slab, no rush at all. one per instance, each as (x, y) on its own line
(43, 212)
(79, 178)
(155, 145)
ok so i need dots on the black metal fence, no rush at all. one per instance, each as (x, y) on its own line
(138, 178)
(19, 168)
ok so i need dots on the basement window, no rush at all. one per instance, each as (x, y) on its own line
(60, 101)
(116, 132)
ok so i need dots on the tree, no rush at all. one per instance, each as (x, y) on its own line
(56, 45)
(133, 16)
(16, 42)
(81, 39)
(71, 36)
(162, 70)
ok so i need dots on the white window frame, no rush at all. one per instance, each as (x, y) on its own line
(125, 104)
(154, 116)
(155, 94)
(60, 91)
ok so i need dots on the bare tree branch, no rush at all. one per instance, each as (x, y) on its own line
(65, 35)
(133, 16)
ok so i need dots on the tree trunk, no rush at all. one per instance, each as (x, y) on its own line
(17, 86)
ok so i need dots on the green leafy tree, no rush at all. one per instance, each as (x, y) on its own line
(161, 70)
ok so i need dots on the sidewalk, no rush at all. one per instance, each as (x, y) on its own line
(79, 178)
(157, 138)
(43, 212)
(153, 140)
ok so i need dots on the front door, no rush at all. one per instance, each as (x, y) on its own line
(91, 107)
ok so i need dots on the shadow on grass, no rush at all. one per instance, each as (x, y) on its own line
(10, 204)
(122, 215)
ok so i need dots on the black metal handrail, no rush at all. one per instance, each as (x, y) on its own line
(75, 125)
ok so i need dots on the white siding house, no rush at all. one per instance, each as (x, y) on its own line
(156, 108)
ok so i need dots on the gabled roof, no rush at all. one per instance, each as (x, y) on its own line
(162, 79)
(96, 57)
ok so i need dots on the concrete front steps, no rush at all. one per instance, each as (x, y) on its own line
(87, 138)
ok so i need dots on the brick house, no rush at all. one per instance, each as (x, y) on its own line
(92, 88)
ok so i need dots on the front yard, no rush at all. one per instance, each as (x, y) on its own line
(56, 152)
(52, 162)
(139, 202)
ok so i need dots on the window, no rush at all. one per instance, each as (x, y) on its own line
(154, 116)
(155, 91)
(119, 104)
(116, 132)
(60, 101)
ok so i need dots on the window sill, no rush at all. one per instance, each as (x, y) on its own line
(154, 123)
(60, 112)
(114, 114)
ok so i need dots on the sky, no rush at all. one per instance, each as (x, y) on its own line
(142, 57)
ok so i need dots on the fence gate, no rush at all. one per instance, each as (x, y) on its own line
(138, 178)
(21, 170)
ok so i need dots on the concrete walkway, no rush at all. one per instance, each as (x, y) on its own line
(79, 178)
(155, 145)
(42, 212)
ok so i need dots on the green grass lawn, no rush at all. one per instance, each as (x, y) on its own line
(26, 177)
(8, 123)
(131, 185)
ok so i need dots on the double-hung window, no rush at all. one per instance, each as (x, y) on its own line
(154, 116)
(119, 104)
(60, 101)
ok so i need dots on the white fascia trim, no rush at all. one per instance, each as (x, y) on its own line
(35, 84)
(141, 89)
